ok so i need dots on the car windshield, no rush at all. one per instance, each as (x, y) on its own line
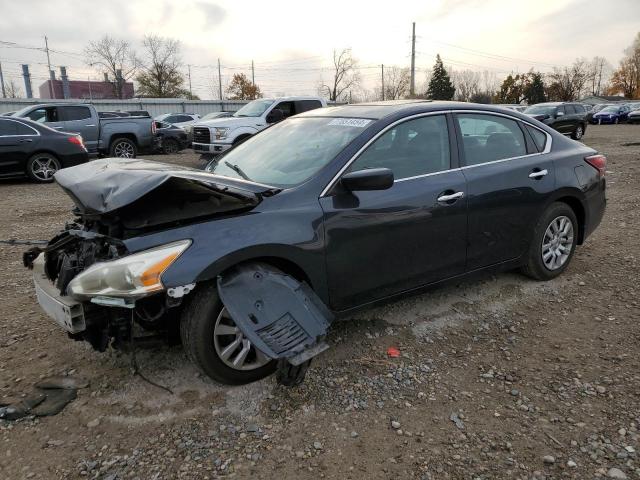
(289, 152)
(540, 110)
(610, 109)
(253, 109)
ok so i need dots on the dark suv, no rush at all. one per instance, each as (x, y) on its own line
(567, 118)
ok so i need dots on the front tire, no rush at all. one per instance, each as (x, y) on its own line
(553, 244)
(42, 166)
(123, 148)
(215, 345)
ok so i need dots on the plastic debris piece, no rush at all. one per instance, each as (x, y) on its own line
(393, 352)
(456, 419)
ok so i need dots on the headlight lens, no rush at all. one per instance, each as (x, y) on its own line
(133, 276)
(221, 133)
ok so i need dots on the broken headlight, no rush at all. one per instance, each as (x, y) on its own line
(133, 276)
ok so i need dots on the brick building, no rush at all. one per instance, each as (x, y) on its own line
(84, 89)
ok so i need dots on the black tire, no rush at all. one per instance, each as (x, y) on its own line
(535, 266)
(196, 330)
(123, 147)
(616, 121)
(291, 375)
(42, 166)
(170, 146)
(578, 132)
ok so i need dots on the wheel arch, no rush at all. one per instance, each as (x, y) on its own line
(576, 203)
(114, 136)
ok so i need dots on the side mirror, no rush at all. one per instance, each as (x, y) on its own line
(275, 115)
(368, 179)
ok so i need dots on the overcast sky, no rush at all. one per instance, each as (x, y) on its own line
(291, 40)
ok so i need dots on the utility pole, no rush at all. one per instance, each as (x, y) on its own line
(253, 74)
(4, 93)
(190, 92)
(90, 92)
(219, 81)
(383, 81)
(412, 85)
(46, 49)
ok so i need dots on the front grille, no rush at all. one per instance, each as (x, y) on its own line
(201, 135)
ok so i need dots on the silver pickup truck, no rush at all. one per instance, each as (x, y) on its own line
(115, 137)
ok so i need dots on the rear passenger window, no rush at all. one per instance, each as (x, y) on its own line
(413, 148)
(8, 128)
(539, 137)
(22, 129)
(306, 105)
(489, 137)
(76, 113)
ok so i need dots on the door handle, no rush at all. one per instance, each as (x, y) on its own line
(25, 140)
(91, 125)
(450, 197)
(538, 173)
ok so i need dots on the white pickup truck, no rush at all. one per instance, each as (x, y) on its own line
(213, 137)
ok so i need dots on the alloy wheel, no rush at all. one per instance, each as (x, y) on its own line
(123, 150)
(579, 132)
(557, 243)
(43, 168)
(234, 349)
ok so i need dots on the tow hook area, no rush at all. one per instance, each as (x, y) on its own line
(281, 316)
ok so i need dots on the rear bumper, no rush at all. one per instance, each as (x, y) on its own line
(596, 206)
(74, 159)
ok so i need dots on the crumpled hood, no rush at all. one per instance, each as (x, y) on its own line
(105, 185)
(231, 122)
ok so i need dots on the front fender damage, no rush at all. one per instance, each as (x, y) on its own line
(280, 315)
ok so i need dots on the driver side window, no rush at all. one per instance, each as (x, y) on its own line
(412, 148)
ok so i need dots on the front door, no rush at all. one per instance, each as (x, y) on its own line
(508, 183)
(380, 243)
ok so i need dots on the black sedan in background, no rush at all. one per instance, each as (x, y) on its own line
(172, 139)
(323, 213)
(37, 151)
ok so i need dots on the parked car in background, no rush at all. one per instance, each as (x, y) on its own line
(634, 114)
(181, 120)
(566, 118)
(34, 150)
(172, 138)
(611, 114)
(253, 260)
(595, 109)
(217, 135)
(513, 106)
(115, 137)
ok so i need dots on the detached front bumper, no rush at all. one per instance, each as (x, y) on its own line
(63, 310)
(215, 148)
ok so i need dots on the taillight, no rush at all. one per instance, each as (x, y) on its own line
(77, 139)
(153, 128)
(599, 162)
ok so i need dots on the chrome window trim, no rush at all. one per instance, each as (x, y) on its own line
(37, 134)
(353, 158)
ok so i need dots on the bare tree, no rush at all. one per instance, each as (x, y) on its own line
(599, 73)
(467, 83)
(345, 75)
(568, 83)
(114, 58)
(160, 75)
(396, 83)
(13, 90)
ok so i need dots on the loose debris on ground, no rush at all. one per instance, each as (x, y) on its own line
(495, 377)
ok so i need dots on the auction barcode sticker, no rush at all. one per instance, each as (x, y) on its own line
(350, 122)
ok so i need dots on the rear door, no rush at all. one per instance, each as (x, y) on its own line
(509, 180)
(380, 243)
(16, 144)
(78, 119)
(306, 105)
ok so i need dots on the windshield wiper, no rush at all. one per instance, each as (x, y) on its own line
(237, 169)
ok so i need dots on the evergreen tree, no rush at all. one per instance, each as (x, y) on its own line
(534, 89)
(440, 86)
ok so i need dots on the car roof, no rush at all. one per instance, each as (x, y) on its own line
(378, 110)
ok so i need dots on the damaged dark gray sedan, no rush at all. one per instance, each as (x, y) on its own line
(323, 213)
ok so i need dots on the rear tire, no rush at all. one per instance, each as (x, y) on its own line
(578, 132)
(197, 324)
(42, 166)
(123, 148)
(170, 146)
(554, 247)
(616, 121)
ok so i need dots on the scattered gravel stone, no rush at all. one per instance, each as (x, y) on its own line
(617, 474)
(395, 424)
(549, 459)
(317, 445)
(571, 464)
(93, 423)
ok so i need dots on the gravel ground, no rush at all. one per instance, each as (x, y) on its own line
(499, 376)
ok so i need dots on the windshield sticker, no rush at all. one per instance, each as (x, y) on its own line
(350, 122)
